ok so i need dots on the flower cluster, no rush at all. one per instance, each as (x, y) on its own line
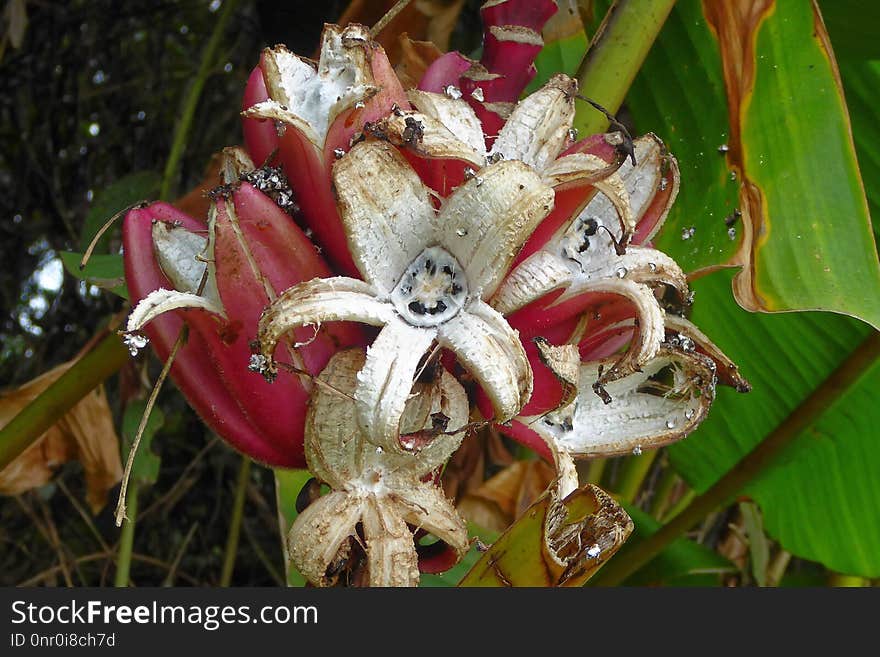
(453, 251)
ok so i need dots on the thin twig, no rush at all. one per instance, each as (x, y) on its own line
(83, 514)
(169, 578)
(190, 103)
(244, 473)
(398, 7)
(132, 452)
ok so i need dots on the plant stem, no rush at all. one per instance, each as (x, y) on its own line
(632, 475)
(595, 470)
(660, 502)
(83, 376)
(615, 55)
(753, 464)
(126, 539)
(244, 473)
(191, 101)
(686, 498)
(847, 581)
(777, 567)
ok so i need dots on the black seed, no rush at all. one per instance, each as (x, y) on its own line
(447, 270)
(584, 245)
(417, 307)
(456, 288)
(590, 226)
(430, 267)
(440, 307)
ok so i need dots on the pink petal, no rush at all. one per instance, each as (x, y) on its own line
(260, 137)
(193, 370)
(444, 71)
(527, 13)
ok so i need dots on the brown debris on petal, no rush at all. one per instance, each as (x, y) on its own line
(727, 371)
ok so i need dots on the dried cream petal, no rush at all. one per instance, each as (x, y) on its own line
(162, 301)
(318, 533)
(659, 405)
(580, 168)
(391, 553)
(316, 98)
(650, 332)
(537, 129)
(315, 302)
(492, 352)
(426, 137)
(454, 113)
(537, 275)
(425, 507)
(386, 380)
(485, 222)
(386, 211)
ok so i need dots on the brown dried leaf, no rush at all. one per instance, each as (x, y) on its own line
(499, 501)
(85, 433)
(415, 58)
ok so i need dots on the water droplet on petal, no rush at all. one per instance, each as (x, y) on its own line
(94, 129)
(594, 551)
(338, 153)
(652, 267)
(135, 342)
(723, 148)
(689, 414)
(99, 77)
(214, 6)
(731, 233)
(621, 272)
(477, 94)
(469, 173)
(670, 424)
(688, 233)
(452, 91)
(637, 450)
(572, 134)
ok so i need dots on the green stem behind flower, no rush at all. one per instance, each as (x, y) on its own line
(753, 464)
(615, 55)
(126, 539)
(244, 473)
(56, 400)
(191, 101)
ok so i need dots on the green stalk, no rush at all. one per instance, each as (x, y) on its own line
(50, 406)
(753, 464)
(665, 487)
(595, 470)
(682, 503)
(126, 539)
(191, 101)
(615, 55)
(847, 581)
(632, 475)
(244, 473)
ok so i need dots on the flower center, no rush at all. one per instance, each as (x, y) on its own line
(432, 289)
